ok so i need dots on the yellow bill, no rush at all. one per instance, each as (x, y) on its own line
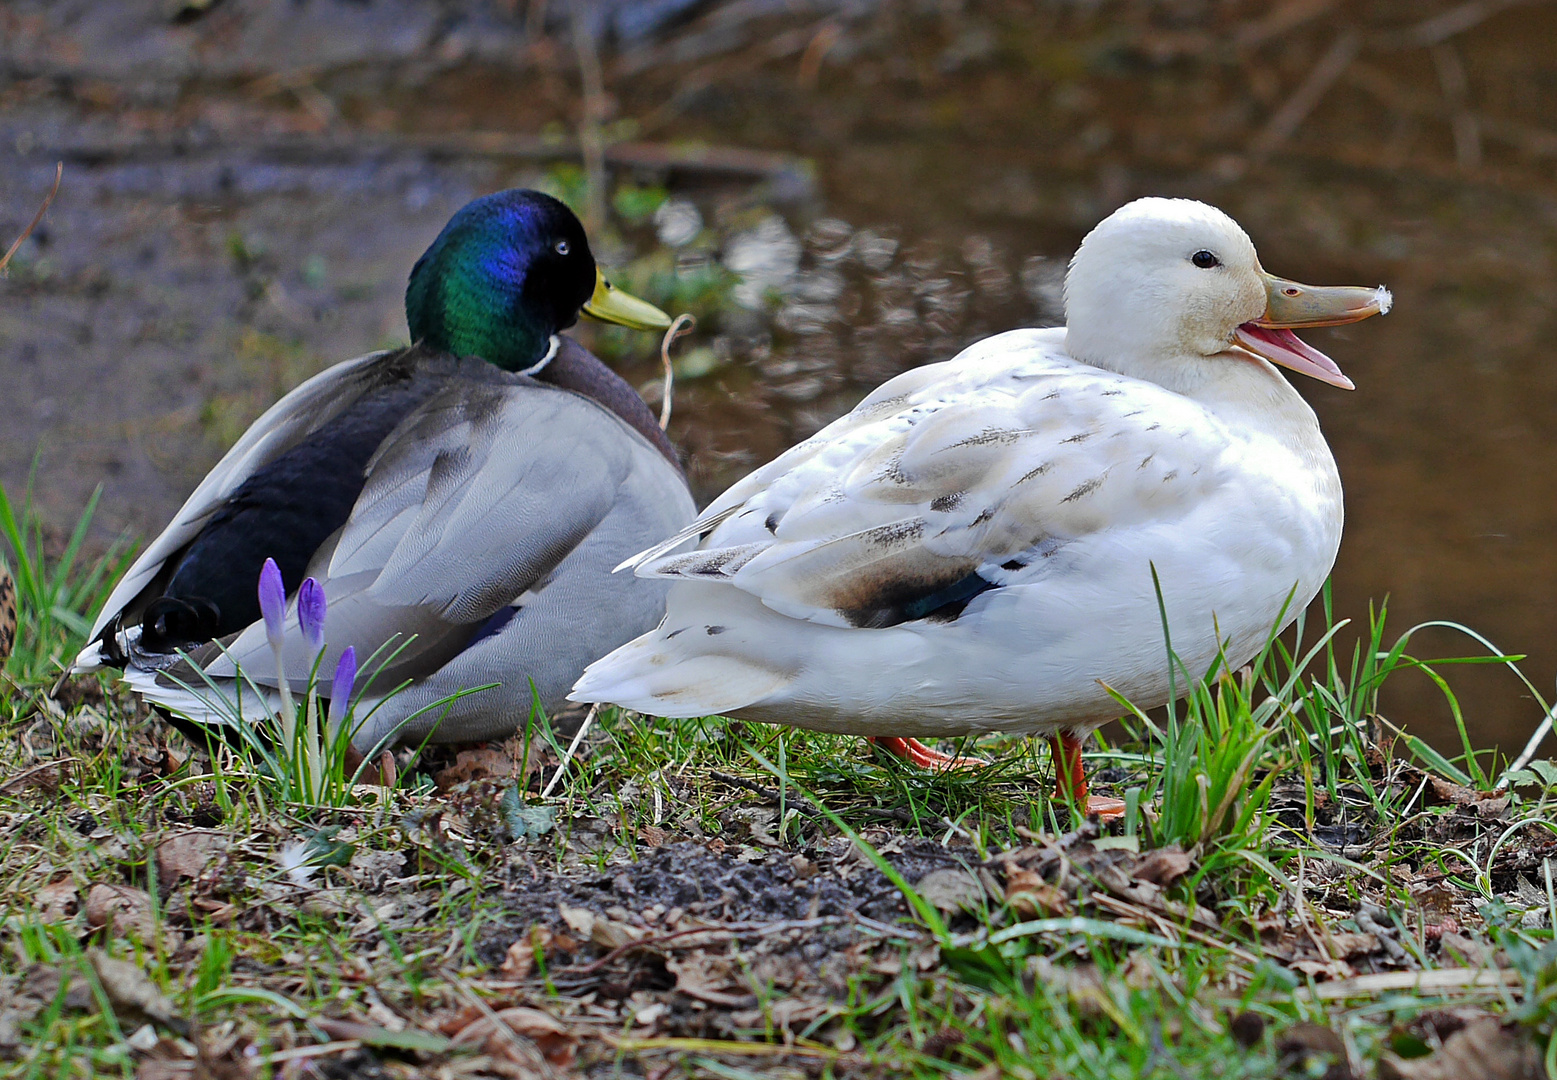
(612, 305)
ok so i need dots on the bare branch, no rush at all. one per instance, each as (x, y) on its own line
(59, 174)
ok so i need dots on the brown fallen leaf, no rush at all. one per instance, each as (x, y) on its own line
(1031, 897)
(1485, 803)
(580, 920)
(520, 960)
(603, 931)
(803, 867)
(480, 763)
(709, 978)
(1163, 866)
(652, 835)
(132, 993)
(189, 854)
(121, 909)
(1345, 946)
(57, 901)
(610, 934)
(951, 890)
(1471, 953)
(40, 988)
(1484, 1050)
(493, 1034)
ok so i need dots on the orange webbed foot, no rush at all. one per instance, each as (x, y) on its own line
(1071, 779)
(1105, 808)
(917, 753)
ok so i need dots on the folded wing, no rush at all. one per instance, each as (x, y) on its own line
(466, 510)
(952, 479)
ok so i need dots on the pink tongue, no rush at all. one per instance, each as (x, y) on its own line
(1282, 346)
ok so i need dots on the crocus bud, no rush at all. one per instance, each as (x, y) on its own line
(310, 613)
(272, 601)
(341, 686)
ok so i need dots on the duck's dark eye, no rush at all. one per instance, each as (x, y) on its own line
(562, 247)
(1205, 260)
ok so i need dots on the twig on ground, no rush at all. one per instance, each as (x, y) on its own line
(59, 174)
(562, 766)
(799, 802)
(1434, 982)
(25, 773)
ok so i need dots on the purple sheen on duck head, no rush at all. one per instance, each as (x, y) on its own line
(272, 601)
(311, 609)
(341, 685)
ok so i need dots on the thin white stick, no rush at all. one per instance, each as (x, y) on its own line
(684, 324)
(589, 718)
(1528, 753)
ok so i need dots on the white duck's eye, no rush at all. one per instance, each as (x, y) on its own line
(562, 247)
(1205, 260)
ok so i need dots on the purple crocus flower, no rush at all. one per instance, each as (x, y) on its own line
(310, 613)
(272, 601)
(341, 686)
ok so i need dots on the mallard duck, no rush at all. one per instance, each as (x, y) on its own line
(463, 499)
(972, 548)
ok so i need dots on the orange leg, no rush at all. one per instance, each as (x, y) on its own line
(1070, 778)
(916, 752)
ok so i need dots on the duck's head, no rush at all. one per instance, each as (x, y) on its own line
(507, 273)
(1163, 288)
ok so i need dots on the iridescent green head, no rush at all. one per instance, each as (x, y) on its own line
(506, 273)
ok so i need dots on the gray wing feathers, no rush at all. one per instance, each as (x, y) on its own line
(487, 524)
(468, 504)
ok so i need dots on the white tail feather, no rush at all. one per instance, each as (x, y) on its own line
(645, 676)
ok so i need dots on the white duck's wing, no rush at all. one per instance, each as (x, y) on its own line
(283, 426)
(468, 506)
(952, 479)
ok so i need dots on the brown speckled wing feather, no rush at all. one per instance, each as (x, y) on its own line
(984, 465)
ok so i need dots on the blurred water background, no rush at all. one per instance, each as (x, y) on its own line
(839, 189)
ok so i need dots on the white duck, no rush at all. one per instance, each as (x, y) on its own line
(971, 549)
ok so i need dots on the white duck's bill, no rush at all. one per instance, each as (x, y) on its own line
(1285, 348)
(1289, 304)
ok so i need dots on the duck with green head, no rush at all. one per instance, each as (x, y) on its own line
(462, 500)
